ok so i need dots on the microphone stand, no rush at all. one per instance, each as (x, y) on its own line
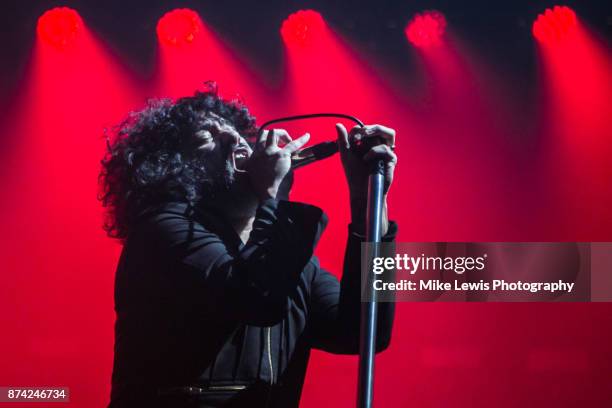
(367, 335)
(369, 309)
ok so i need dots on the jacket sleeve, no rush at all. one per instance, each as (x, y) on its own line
(252, 284)
(336, 306)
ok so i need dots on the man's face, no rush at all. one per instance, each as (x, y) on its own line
(220, 138)
(224, 153)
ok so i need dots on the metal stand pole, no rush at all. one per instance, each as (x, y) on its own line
(367, 336)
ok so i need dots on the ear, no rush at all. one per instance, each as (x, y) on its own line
(285, 187)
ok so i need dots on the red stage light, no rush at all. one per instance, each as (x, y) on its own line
(59, 26)
(426, 29)
(302, 27)
(178, 27)
(554, 24)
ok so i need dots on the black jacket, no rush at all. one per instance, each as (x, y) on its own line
(205, 320)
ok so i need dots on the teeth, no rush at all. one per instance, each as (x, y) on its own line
(238, 156)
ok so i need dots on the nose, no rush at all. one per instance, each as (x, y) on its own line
(225, 134)
(232, 139)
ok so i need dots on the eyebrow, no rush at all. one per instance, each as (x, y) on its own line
(213, 116)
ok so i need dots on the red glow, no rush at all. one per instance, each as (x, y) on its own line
(66, 100)
(554, 24)
(329, 76)
(302, 27)
(59, 26)
(460, 178)
(426, 29)
(576, 78)
(179, 27)
(190, 54)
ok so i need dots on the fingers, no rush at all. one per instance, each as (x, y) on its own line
(269, 138)
(281, 136)
(297, 144)
(355, 135)
(272, 137)
(261, 140)
(384, 132)
(381, 152)
(343, 138)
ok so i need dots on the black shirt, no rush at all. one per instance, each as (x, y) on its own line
(204, 320)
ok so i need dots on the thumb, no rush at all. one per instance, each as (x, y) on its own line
(343, 143)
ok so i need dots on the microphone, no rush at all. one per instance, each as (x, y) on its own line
(313, 154)
(319, 151)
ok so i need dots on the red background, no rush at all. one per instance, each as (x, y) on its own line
(476, 164)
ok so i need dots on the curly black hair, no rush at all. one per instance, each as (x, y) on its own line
(149, 159)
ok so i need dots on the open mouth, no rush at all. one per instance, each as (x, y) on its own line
(239, 156)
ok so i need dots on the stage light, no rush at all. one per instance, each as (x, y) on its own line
(554, 24)
(302, 27)
(59, 26)
(178, 27)
(426, 29)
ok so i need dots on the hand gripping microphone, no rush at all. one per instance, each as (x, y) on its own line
(316, 152)
(369, 309)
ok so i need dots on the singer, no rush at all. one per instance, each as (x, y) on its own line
(218, 296)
